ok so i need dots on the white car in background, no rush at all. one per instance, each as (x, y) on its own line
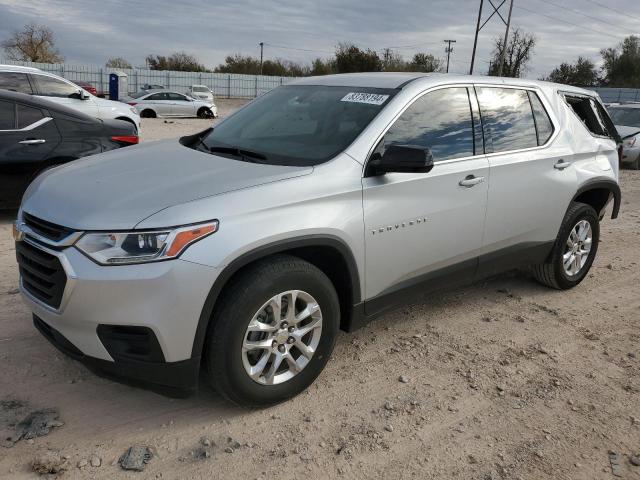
(167, 103)
(34, 81)
(201, 92)
(626, 118)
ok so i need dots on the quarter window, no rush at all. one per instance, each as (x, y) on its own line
(592, 117)
(507, 118)
(544, 126)
(28, 115)
(440, 121)
(16, 82)
(52, 87)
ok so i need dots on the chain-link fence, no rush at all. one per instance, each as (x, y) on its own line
(222, 84)
(617, 95)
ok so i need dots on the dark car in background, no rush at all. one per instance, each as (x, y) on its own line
(36, 134)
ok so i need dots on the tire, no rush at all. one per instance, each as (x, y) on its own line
(148, 113)
(553, 273)
(205, 113)
(229, 363)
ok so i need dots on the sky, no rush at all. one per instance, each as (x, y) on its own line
(301, 30)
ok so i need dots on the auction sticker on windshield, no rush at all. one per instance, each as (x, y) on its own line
(371, 98)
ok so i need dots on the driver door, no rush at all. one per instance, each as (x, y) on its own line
(426, 228)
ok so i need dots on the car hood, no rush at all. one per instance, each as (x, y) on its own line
(118, 189)
(626, 131)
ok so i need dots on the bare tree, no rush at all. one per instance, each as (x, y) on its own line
(34, 43)
(118, 62)
(518, 54)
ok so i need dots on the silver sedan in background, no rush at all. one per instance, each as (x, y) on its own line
(167, 103)
(626, 118)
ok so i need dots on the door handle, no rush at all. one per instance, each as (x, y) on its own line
(470, 180)
(33, 141)
(561, 164)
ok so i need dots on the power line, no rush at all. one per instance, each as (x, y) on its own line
(581, 13)
(608, 7)
(568, 23)
(448, 50)
(295, 48)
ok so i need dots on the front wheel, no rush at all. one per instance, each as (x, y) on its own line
(205, 113)
(273, 332)
(574, 249)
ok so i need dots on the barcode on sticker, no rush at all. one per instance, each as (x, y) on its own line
(371, 98)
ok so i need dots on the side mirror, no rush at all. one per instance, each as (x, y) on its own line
(83, 94)
(401, 159)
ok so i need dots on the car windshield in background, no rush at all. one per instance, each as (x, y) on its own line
(201, 89)
(298, 125)
(628, 117)
(139, 94)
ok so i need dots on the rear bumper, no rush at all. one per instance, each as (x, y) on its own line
(176, 379)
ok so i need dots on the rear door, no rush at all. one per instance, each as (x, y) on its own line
(159, 103)
(27, 138)
(532, 179)
(424, 227)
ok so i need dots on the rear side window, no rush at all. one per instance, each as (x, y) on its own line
(7, 116)
(441, 121)
(28, 115)
(16, 82)
(157, 96)
(544, 127)
(507, 118)
(591, 116)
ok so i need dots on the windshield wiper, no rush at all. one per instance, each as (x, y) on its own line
(247, 155)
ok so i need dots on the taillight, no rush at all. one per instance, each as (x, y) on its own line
(128, 139)
(132, 103)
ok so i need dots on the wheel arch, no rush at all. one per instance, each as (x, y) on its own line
(598, 194)
(329, 253)
(127, 119)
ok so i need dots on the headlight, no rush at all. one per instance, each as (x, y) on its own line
(119, 248)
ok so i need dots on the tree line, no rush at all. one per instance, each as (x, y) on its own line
(620, 64)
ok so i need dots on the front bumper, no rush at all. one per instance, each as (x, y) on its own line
(166, 298)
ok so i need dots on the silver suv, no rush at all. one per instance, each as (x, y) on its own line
(245, 248)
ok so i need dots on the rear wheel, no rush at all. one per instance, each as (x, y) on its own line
(574, 249)
(148, 113)
(273, 333)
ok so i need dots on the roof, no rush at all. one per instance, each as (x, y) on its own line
(40, 102)
(18, 68)
(400, 79)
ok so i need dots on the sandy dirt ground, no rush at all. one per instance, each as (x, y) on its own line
(501, 380)
(160, 128)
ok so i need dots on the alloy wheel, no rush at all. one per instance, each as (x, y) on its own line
(282, 337)
(577, 248)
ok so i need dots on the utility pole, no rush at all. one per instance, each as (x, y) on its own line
(496, 11)
(261, 53)
(506, 39)
(475, 40)
(449, 49)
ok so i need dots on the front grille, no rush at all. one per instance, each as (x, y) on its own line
(46, 229)
(42, 274)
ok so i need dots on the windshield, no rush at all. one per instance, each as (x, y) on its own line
(628, 117)
(201, 89)
(298, 125)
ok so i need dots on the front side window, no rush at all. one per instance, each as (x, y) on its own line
(440, 121)
(507, 118)
(28, 115)
(176, 97)
(7, 115)
(300, 125)
(15, 82)
(53, 87)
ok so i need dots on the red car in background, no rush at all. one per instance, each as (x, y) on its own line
(88, 87)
